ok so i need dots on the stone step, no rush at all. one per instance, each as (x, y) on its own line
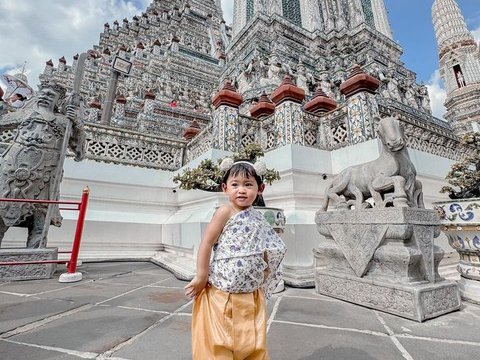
(183, 267)
(449, 272)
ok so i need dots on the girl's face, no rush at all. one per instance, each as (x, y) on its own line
(242, 191)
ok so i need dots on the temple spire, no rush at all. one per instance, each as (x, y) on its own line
(449, 24)
(459, 59)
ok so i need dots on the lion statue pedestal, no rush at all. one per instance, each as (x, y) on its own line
(384, 259)
(377, 248)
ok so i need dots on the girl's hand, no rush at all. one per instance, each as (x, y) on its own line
(195, 287)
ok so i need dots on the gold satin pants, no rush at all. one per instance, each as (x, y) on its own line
(229, 326)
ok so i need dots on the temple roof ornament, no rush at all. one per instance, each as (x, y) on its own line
(263, 108)
(191, 131)
(121, 99)
(288, 91)
(320, 103)
(358, 81)
(149, 95)
(96, 104)
(227, 96)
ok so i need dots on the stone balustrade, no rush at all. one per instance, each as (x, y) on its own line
(199, 144)
(127, 147)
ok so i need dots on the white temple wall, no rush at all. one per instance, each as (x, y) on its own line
(126, 210)
(134, 212)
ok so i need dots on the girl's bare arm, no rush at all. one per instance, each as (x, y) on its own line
(210, 237)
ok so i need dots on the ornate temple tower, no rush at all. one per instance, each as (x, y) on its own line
(459, 58)
(325, 15)
(317, 43)
(176, 49)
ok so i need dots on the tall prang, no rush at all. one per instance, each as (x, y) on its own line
(459, 58)
(316, 14)
(317, 42)
(176, 51)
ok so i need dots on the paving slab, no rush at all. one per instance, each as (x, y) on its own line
(12, 351)
(136, 278)
(103, 269)
(171, 338)
(152, 298)
(150, 319)
(174, 282)
(90, 292)
(32, 287)
(327, 311)
(288, 342)
(436, 350)
(97, 329)
(453, 326)
(18, 311)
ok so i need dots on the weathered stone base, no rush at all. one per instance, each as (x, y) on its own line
(299, 277)
(419, 301)
(469, 290)
(31, 271)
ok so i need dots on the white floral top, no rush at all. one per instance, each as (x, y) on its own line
(237, 265)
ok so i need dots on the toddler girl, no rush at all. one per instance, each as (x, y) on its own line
(229, 313)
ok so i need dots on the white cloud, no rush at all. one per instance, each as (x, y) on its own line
(36, 31)
(437, 95)
(476, 34)
(227, 6)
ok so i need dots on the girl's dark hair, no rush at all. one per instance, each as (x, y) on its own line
(244, 169)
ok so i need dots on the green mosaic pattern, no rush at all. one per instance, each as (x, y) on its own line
(368, 12)
(292, 12)
(250, 9)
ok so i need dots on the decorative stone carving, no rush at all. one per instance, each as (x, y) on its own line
(384, 259)
(31, 168)
(388, 180)
(460, 219)
(31, 271)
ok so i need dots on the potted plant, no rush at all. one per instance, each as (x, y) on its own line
(460, 217)
(208, 177)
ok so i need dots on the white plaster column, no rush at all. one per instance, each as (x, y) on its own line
(311, 17)
(381, 18)
(359, 90)
(48, 67)
(225, 127)
(289, 125)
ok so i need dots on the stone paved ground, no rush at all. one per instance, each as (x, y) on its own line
(137, 311)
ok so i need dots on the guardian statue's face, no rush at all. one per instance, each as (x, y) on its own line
(48, 98)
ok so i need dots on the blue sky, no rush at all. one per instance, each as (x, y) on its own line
(412, 28)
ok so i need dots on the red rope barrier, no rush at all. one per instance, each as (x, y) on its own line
(72, 265)
(82, 208)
